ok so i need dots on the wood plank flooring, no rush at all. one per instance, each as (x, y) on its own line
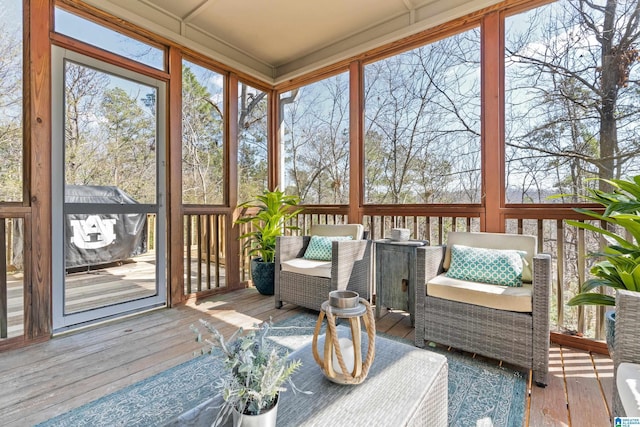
(98, 286)
(46, 379)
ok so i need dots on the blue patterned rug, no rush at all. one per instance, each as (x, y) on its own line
(480, 394)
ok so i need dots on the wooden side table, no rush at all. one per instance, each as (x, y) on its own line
(396, 274)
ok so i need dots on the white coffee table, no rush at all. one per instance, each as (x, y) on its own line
(406, 386)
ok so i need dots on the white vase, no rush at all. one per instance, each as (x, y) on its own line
(264, 419)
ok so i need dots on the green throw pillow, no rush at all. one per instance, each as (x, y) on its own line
(320, 247)
(494, 266)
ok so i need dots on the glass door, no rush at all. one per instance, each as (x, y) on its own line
(107, 186)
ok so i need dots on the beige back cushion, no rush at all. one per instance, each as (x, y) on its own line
(354, 230)
(495, 241)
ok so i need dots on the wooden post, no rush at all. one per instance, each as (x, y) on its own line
(231, 242)
(175, 228)
(274, 120)
(492, 123)
(356, 142)
(37, 101)
(3, 279)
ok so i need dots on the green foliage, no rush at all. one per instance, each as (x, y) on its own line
(274, 210)
(202, 136)
(129, 145)
(254, 371)
(620, 264)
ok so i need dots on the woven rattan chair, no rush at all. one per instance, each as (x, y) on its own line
(349, 268)
(519, 338)
(627, 342)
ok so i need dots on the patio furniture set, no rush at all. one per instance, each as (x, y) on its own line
(504, 322)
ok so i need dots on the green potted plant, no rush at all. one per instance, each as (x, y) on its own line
(273, 212)
(254, 374)
(619, 267)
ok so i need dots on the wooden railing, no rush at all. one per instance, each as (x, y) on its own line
(205, 234)
(11, 277)
(204, 251)
(206, 231)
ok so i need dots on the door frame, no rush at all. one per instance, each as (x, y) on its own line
(61, 320)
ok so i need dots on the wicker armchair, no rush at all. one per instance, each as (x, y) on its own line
(349, 267)
(516, 337)
(627, 350)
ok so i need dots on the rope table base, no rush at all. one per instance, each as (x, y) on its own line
(332, 344)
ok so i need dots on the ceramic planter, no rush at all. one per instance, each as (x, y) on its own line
(262, 274)
(264, 419)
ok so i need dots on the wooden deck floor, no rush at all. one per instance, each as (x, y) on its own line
(47, 379)
(98, 286)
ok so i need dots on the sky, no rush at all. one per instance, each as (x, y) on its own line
(105, 38)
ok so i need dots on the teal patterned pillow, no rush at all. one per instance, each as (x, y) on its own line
(494, 266)
(320, 247)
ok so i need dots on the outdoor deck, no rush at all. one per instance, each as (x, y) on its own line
(49, 378)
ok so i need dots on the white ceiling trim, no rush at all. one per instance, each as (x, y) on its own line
(412, 11)
(195, 12)
(234, 58)
(339, 51)
(418, 16)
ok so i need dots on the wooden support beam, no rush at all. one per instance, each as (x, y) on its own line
(37, 136)
(356, 141)
(232, 244)
(492, 117)
(175, 228)
(274, 121)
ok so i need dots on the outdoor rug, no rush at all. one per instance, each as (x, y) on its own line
(480, 394)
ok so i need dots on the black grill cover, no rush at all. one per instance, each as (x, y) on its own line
(103, 238)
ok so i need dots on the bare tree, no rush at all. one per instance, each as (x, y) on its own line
(572, 98)
(422, 117)
(202, 143)
(252, 142)
(316, 123)
(84, 88)
(10, 113)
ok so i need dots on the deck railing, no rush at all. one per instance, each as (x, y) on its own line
(204, 251)
(11, 277)
(205, 259)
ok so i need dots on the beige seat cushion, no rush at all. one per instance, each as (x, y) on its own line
(495, 241)
(309, 267)
(354, 230)
(628, 383)
(493, 296)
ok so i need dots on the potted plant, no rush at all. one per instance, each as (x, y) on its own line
(619, 267)
(254, 374)
(274, 210)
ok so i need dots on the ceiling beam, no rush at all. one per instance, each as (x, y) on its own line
(412, 11)
(408, 5)
(195, 12)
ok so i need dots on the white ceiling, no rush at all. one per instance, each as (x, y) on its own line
(275, 40)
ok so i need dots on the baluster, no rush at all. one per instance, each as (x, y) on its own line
(189, 244)
(560, 269)
(216, 248)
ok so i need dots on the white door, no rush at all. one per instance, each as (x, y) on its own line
(108, 170)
